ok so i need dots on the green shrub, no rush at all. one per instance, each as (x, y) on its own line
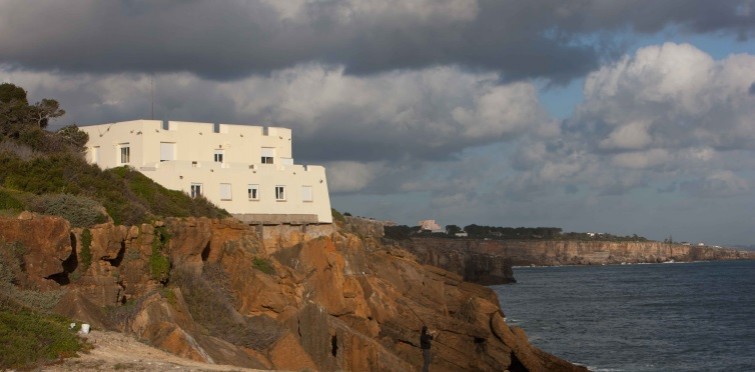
(338, 218)
(169, 295)
(151, 199)
(42, 301)
(159, 265)
(129, 197)
(86, 249)
(10, 267)
(79, 210)
(29, 338)
(264, 265)
(7, 201)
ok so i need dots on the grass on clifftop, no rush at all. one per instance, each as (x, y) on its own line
(64, 184)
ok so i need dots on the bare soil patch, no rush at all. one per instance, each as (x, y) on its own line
(113, 351)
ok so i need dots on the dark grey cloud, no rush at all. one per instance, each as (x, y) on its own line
(521, 39)
(426, 109)
(648, 16)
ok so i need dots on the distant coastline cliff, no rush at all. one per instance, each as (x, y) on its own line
(489, 262)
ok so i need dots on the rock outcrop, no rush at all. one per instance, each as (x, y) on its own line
(464, 257)
(43, 244)
(286, 298)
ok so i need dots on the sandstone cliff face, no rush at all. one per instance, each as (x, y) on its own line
(285, 298)
(466, 257)
(45, 244)
(458, 254)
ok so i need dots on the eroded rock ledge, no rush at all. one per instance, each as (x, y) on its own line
(286, 298)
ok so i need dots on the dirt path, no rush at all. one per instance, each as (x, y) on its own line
(116, 351)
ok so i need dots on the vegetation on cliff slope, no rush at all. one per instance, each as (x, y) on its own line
(46, 172)
(29, 334)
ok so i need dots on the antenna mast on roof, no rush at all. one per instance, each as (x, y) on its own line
(152, 96)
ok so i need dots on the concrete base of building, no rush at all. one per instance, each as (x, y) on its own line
(276, 219)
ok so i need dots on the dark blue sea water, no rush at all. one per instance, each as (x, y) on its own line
(661, 317)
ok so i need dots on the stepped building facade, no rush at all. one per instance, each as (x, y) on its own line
(247, 170)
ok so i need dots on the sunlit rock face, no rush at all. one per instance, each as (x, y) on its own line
(280, 297)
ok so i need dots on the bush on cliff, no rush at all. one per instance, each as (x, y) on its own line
(28, 333)
(128, 196)
(28, 338)
(80, 211)
(86, 249)
(264, 265)
(9, 202)
(338, 218)
(159, 265)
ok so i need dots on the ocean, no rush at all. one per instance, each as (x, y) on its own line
(656, 317)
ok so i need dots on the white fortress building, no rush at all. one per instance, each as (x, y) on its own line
(247, 170)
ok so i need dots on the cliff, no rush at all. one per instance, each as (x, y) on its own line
(286, 298)
(489, 261)
(466, 257)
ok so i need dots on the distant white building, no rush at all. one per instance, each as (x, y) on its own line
(430, 225)
(247, 170)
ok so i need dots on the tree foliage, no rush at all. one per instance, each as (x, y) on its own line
(453, 229)
(10, 92)
(506, 233)
(24, 121)
(74, 136)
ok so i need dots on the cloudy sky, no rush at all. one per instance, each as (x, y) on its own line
(621, 116)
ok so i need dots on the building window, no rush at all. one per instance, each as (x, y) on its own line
(125, 152)
(306, 193)
(196, 190)
(95, 151)
(216, 127)
(166, 125)
(280, 192)
(268, 154)
(253, 192)
(218, 156)
(167, 151)
(225, 191)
